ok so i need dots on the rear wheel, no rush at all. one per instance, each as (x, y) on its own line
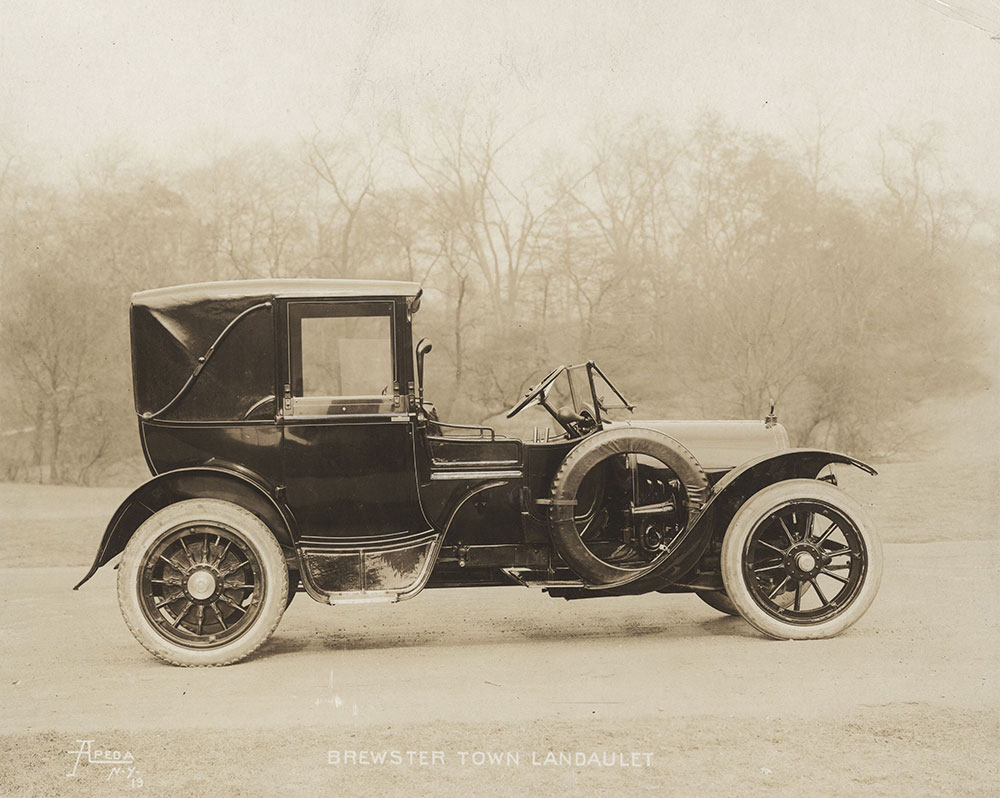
(202, 582)
(800, 560)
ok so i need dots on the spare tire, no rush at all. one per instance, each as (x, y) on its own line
(581, 461)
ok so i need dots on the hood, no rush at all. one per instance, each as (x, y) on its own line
(718, 445)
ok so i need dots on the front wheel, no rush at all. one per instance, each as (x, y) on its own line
(202, 582)
(801, 561)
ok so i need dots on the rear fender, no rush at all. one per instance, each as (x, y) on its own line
(191, 483)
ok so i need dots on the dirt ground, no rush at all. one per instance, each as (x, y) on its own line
(656, 695)
(904, 703)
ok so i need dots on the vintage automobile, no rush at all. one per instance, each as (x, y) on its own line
(285, 426)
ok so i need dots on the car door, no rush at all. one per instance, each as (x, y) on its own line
(347, 445)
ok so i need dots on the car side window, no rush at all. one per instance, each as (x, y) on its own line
(340, 357)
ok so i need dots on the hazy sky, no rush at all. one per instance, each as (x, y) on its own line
(166, 75)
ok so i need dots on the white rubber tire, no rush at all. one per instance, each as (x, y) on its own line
(253, 532)
(756, 509)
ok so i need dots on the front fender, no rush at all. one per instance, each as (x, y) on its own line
(191, 483)
(738, 485)
(786, 464)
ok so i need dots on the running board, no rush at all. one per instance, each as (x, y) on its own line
(532, 578)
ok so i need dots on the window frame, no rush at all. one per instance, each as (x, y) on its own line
(297, 405)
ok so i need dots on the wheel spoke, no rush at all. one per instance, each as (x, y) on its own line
(205, 550)
(172, 564)
(784, 526)
(825, 535)
(201, 618)
(778, 589)
(174, 582)
(187, 606)
(773, 548)
(798, 597)
(222, 556)
(840, 552)
(768, 568)
(233, 569)
(163, 602)
(819, 592)
(838, 577)
(807, 527)
(215, 609)
(243, 586)
(231, 603)
(187, 553)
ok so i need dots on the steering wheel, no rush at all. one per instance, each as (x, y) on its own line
(577, 424)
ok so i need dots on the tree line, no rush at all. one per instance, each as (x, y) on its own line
(706, 268)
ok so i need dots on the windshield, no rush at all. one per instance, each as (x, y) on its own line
(570, 388)
(583, 387)
(574, 391)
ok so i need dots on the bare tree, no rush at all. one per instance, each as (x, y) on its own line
(715, 268)
(252, 209)
(349, 170)
(499, 219)
(52, 346)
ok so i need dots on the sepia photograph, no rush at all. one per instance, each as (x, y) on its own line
(481, 399)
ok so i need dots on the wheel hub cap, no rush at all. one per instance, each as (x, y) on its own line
(200, 585)
(805, 561)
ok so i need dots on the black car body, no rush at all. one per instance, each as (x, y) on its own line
(296, 407)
